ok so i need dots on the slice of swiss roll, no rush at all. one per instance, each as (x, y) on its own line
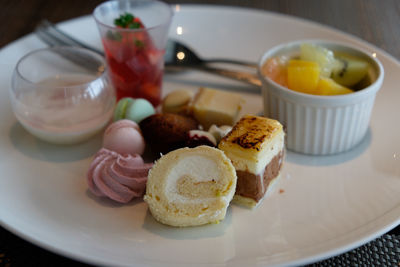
(191, 186)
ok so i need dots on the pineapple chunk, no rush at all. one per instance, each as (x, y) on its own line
(323, 56)
(303, 76)
(327, 86)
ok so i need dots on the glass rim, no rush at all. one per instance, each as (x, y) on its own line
(101, 71)
(113, 27)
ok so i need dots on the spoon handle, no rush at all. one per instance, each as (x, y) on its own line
(231, 61)
(246, 77)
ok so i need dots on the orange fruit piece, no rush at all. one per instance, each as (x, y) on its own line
(276, 70)
(303, 76)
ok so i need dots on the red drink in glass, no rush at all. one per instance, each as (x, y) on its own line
(136, 66)
(134, 35)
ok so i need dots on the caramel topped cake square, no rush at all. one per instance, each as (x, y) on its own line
(256, 148)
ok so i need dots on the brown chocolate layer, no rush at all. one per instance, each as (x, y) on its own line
(254, 186)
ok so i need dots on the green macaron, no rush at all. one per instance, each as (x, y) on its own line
(139, 110)
(133, 109)
(120, 109)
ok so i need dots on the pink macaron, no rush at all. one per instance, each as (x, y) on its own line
(124, 137)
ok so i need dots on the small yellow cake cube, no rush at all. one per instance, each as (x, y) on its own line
(303, 76)
(212, 106)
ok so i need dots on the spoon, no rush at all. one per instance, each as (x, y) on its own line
(178, 54)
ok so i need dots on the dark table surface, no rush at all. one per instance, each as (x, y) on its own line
(377, 22)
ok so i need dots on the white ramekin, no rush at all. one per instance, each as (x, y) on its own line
(320, 125)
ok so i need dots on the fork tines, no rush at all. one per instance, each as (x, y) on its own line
(52, 36)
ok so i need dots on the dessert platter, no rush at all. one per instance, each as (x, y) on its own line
(321, 206)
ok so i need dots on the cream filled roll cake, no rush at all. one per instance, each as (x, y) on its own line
(256, 148)
(191, 186)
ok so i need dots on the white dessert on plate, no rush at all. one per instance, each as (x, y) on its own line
(189, 187)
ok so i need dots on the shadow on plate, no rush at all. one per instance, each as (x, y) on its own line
(330, 160)
(187, 233)
(41, 150)
(106, 202)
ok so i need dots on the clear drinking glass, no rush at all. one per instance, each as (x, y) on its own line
(135, 56)
(62, 95)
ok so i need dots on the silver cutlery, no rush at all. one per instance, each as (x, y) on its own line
(177, 54)
(53, 36)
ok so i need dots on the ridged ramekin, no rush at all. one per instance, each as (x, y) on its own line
(320, 125)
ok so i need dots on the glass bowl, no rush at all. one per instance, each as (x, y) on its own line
(321, 124)
(62, 94)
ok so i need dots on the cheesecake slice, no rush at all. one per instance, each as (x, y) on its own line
(256, 148)
(217, 107)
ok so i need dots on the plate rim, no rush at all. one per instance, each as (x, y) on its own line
(318, 257)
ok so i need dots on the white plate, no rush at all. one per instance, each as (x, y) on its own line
(329, 204)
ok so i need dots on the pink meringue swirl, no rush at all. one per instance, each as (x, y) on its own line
(120, 177)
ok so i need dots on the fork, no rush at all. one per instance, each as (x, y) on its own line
(53, 36)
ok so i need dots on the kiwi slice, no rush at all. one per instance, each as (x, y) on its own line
(349, 70)
(366, 81)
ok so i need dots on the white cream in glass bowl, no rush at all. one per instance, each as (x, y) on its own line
(321, 124)
(62, 95)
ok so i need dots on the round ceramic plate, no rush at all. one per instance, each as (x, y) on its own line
(322, 206)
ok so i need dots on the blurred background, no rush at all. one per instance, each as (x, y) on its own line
(374, 21)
